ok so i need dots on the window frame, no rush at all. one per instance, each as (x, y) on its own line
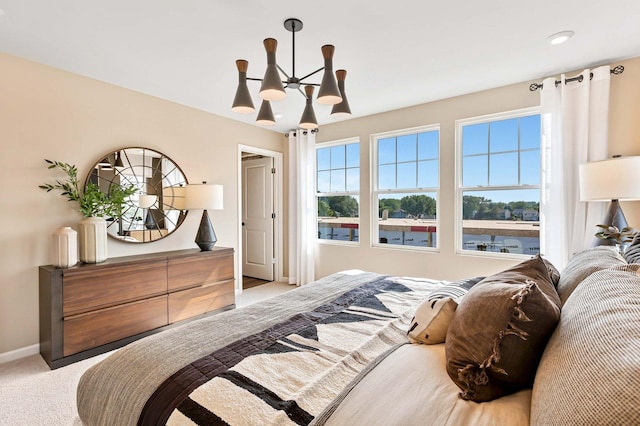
(330, 144)
(375, 192)
(460, 190)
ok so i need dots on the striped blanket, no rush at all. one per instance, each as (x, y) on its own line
(285, 372)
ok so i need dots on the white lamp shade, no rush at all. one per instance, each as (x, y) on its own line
(173, 197)
(204, 197)
(145, 200)
(612, 179)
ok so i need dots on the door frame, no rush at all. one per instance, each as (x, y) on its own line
(278, 229)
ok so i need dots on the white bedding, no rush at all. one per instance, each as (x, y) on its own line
(411, 387)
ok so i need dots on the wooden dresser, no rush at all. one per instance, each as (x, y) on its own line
(89, 309)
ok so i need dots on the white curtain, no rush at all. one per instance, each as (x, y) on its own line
(574, 120)
(302, 226)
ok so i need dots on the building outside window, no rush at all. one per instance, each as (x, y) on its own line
(499, 183)
(338, 190)
(405, 187)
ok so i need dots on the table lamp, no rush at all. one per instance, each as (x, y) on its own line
(614, 179)
(173, 198)
(204, 197)
(145, 202)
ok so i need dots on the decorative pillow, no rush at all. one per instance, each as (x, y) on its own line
(589, 373)
(431, 321)
(433, 316)
(455, 290)
(585, 263)
(500, 330)
(632, 254)
(554, 275)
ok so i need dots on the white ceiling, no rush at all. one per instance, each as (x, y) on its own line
(397, 53)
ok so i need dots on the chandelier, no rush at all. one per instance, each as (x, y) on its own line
(331, 89)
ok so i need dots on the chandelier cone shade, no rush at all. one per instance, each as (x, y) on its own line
(272, 88)
(276, 81)
(341, 110)
(242, 103)
(329, 94)
(308, 119)
(265, 115)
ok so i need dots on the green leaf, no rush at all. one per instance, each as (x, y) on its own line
(91, 200)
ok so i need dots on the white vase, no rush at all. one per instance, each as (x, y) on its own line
(64, 247)
(92, 232)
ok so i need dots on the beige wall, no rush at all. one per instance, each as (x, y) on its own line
(48, 113)
(446, 264)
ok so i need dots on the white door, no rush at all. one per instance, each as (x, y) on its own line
(257, 220)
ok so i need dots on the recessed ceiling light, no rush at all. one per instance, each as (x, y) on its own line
(559, 38)
(278, 115)
(1, 12)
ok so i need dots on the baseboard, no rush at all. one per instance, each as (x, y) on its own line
(20, 353)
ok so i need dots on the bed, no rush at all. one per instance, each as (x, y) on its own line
(280, 361)
(543, 348)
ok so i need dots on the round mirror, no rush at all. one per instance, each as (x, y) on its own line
(157, 207)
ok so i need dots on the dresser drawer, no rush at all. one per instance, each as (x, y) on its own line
(199, 300)
(97, 328)
(198, 270)
(85, 289)
(92, 308)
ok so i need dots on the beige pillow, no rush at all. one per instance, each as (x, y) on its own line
(585, 263)
(499, 331)
(632, 254)
(590, 371)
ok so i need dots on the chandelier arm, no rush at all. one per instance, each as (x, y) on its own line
(303, 94)
(309, 75)
(254, 79)
(282, 71)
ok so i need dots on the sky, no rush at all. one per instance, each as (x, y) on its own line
(499, 153)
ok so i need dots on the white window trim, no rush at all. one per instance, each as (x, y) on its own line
(458, 180)
(330, 144)
(374, 191)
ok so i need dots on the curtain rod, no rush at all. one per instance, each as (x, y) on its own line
(618, 69)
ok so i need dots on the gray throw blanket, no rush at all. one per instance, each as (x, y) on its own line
(280, 361)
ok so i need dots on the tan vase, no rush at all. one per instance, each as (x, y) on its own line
(92, 235)
(64, 247)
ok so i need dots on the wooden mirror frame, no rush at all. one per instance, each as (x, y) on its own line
(152, 173)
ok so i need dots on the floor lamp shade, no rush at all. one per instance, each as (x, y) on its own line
(204, 197)
(611, 180)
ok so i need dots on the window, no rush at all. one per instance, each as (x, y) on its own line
(405, 186)
(338, 190)
(499, 183)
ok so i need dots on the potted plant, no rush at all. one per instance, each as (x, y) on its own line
(619, 237)
(95, 205)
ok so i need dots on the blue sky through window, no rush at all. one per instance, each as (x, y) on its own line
(409, 161)
(502, 153)
(338, 168)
